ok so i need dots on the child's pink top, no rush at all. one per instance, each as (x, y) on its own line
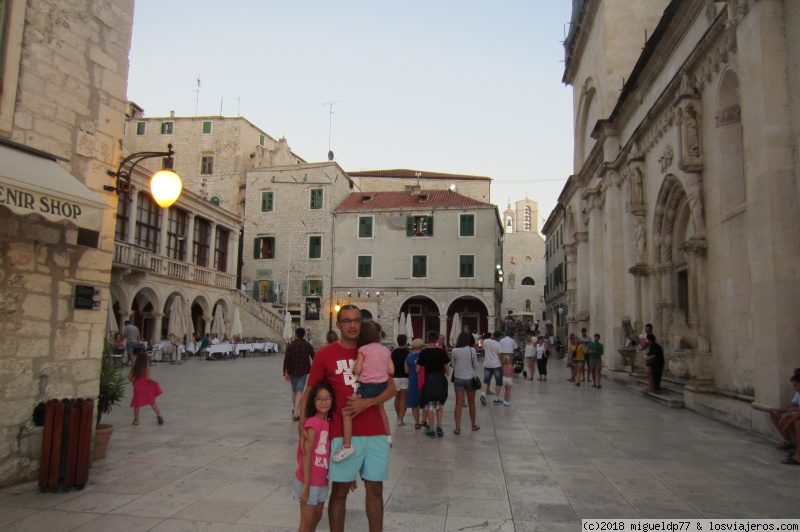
(319, 453)
(508, 370)
(375, 368)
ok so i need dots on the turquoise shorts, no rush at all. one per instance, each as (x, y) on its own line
(370, 460)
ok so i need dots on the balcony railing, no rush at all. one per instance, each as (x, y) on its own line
(135, 256)
(132, 255)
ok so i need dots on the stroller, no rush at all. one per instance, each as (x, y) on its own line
(519, 363)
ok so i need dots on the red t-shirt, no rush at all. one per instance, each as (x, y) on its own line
(334, 364)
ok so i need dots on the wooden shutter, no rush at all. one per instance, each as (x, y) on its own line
(255, 290)
(306, 290)
(257, 248)
(429, 226)
(409, 226)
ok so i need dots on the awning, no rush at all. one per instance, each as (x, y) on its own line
(32, 182)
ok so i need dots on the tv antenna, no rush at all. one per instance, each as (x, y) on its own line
(197, 99)
(239, 101)
(330, 126)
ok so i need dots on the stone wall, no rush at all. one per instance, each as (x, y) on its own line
(70, 102)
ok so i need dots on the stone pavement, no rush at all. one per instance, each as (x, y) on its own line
(225, 459)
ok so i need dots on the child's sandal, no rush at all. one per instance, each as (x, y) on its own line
(417, 426)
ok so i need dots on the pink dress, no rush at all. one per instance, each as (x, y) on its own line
(319, 454)
(375, 368)
(144, 393)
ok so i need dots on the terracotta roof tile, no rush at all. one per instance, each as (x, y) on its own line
(403, 173)
(427, 199)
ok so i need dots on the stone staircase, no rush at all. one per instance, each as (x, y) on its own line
(671, 390)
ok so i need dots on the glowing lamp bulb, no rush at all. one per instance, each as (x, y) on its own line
(337, 308)
(165, 186)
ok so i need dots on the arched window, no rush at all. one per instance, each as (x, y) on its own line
(729, 140)
(527, 219)
(215, 201)
(509, 224)
(528, 281)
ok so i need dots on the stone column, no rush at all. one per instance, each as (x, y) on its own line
(442, 327)
(155, 336)
(206, 324)
(571, 259)
(582, 284)
(233, 250)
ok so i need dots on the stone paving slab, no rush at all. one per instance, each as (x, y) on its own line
(224, 461)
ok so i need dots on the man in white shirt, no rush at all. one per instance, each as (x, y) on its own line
(492, 367)
(507, 345)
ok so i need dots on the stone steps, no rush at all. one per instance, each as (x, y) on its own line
(671, 390)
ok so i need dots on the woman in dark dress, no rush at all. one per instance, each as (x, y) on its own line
(434, 390)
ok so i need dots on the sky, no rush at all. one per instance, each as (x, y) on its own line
(461, 87)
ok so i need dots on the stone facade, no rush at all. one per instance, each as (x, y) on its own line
(523, 262)
(559, 266)
(291, 223)
(683, 210)
(63, 92)
(145, 280)
(396, 282)
(213, 153)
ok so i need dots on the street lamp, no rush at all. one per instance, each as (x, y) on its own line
(165, 185)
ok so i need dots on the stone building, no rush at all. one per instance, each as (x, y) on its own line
(425, 253)
(213, 152)
(472, 186)
(62, 109)
(189, 252)
(555, 291)
(523, 262)
(683, 210)
(289, 239)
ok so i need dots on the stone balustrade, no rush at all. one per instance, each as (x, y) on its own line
(132, 255)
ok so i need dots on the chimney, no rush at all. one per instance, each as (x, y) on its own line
(172, 114)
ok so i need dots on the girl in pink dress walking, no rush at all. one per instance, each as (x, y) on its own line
(145, 389)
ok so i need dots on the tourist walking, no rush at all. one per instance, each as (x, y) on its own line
(530, 355)
(595, 354)
(508, 378)
(542, 354)
(296, 366)
(145, 389)
(132, 337)
(413, 394)
(465, 366)
(492, 367)
(399, 355)
(434, 389)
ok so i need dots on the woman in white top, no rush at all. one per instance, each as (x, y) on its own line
(465, 361)
(530, 355)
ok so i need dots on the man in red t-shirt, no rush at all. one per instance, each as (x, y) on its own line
(334, 364)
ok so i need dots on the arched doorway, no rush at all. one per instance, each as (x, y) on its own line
(471, 312)
(424, 314)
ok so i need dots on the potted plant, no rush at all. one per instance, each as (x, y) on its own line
(112, 390)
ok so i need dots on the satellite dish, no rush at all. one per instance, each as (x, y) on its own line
(330, 155)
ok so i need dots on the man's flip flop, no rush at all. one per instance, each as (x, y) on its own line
(417, 426)
(475, 427)
(789, 460)
(456, 432)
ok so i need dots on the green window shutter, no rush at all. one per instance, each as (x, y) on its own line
(256, 248)
(319, 285)
(409, 226)
(272, 247)
(271, 292)
(206, 128)
(306, 290)
(255, 290)
(429, 229)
